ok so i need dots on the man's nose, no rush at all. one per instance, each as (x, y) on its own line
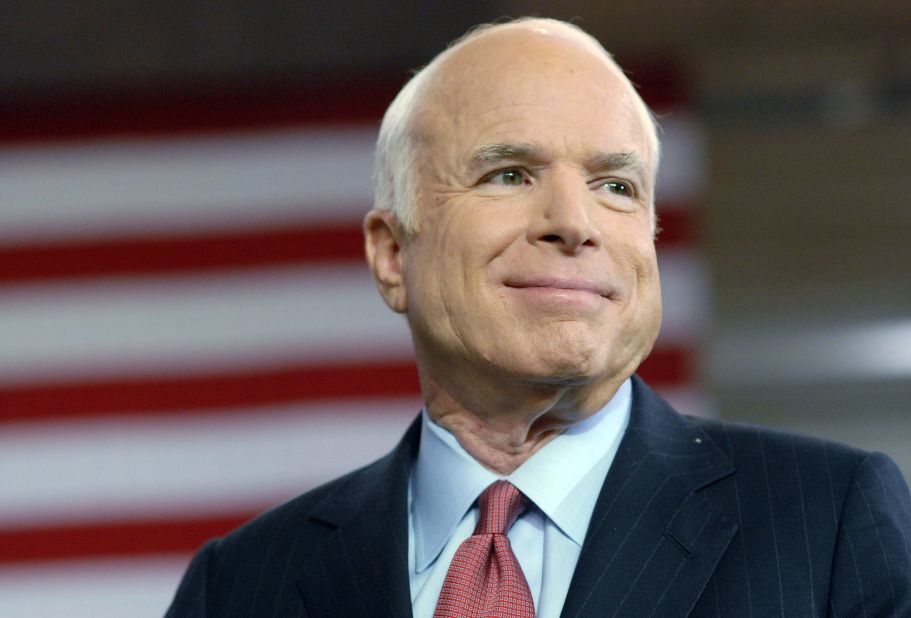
(565, 214)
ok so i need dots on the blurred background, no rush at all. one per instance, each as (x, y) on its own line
(188, 334)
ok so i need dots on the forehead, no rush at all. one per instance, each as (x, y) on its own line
(526, 86)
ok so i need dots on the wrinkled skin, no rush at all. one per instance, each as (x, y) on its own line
(531, 286)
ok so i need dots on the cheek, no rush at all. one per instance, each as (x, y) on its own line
(634, 255)
(648, 290)
(642, 302)
(647, 267)
(649, 262)
(438, 275)
(471, 238)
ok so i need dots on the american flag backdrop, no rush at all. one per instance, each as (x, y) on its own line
(189, 334)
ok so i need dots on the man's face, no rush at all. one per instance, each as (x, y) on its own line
(534, 254)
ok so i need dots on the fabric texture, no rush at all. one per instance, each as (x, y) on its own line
(696, 518)
(484, 579)
(561, 480)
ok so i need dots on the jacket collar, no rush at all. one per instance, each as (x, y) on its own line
(656, 535)
(361, 566)
(653, 542)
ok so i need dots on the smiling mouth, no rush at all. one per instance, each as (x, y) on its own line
(558, 286)
(576, 296)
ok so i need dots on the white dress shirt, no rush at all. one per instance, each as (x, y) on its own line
(562, 481)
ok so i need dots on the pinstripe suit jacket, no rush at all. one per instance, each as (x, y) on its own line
(695, 518)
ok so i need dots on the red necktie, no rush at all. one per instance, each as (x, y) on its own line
(485, 579)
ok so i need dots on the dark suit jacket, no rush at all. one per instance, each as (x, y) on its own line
(695, 518)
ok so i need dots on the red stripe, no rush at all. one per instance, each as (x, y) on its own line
(165, 255)
(114, 538)
(224, 391)
(238, 391)
(662, 82)
(678, 225)
(169, 255)
(168, 536)
(103, 110)
(668, 366)
(198, 109)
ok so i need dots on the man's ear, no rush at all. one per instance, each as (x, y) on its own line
(384, 240)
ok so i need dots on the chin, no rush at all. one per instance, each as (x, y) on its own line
(577, 358)
(570, 365)
(564, 379)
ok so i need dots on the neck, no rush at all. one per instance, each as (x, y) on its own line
(504, 430)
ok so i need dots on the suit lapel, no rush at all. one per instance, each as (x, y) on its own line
(653, 542)
(361, 567)
(655, 537)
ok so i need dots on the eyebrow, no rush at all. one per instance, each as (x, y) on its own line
(494, 153)
(620, 160)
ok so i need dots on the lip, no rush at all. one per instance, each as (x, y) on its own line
(559, 284)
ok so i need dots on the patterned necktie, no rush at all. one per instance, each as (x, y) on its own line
(485, 579)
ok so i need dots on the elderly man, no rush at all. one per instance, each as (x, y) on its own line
(514, 229)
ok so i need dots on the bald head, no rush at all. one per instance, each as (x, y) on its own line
(553, 47)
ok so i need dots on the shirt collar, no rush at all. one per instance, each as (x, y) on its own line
(563, 478)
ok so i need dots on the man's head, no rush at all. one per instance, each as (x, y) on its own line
(528, 254)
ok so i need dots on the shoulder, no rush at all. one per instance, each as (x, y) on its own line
(759, 455)
(785, 457)
(838, 513)
(330, 504)
(257, 565)
(296, 522)
(777, 475)
(744, 442)
(861, 498)
(216, 581)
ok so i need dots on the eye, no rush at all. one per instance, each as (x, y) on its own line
(507, 178)
(618, 187)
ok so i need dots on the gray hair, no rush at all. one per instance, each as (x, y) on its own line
(395, 159)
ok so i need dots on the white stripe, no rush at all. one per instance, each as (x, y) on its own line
(93, 330)
(195, 323)
(138, 588)
(681, 175)
(812, 353)
(689, 400)
(181, 185)
(184, 184)
(685, 296)
(141, 468)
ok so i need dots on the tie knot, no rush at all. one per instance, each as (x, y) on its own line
(500, 505)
